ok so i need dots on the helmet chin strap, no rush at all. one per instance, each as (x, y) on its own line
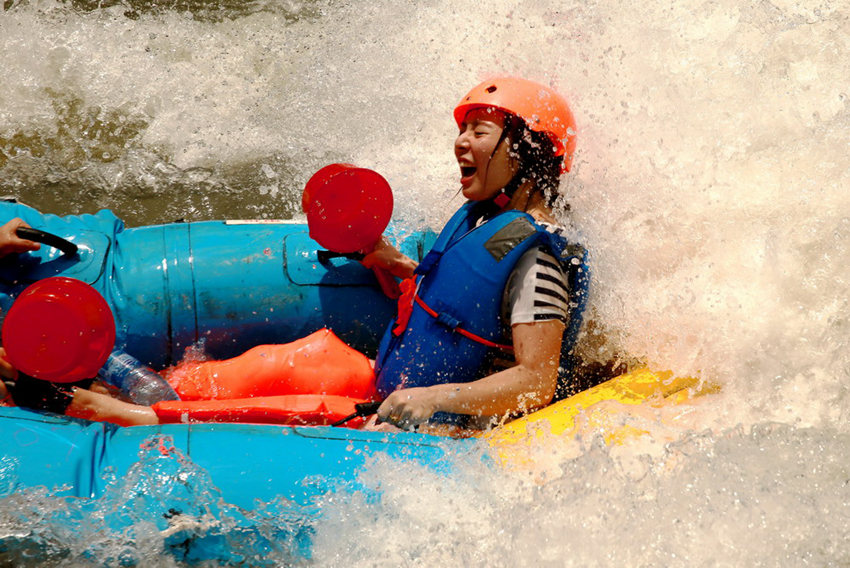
(504, 196)
(507, 192)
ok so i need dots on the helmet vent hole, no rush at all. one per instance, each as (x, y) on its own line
(491, 89)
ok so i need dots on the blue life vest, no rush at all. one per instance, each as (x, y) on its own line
(461, 282)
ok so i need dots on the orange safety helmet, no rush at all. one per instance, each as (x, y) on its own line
(542, 109)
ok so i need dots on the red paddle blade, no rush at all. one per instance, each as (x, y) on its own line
(347, 207)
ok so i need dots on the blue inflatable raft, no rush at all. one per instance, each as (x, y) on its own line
(230, 285)
(232, 494)
(175, 477)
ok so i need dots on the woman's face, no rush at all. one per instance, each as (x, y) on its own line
(483, 172)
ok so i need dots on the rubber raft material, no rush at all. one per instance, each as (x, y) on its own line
(234, 284)
(256, 461)
(290, 410)
(246, 462)
(255, 464)
(603, 409)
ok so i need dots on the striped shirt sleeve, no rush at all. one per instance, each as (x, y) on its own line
(537, 289)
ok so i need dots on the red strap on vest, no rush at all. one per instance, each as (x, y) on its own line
(405, 309)
(405, 304)
(460, 330)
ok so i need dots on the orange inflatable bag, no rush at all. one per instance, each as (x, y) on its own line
(287, 410)
(317, 364)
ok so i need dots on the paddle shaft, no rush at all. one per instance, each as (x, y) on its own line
(361, 409)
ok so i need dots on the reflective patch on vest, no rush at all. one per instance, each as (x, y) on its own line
(508, 237)
(574, 250)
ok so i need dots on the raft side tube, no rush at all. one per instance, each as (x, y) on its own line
(232, 284)
(246, 462)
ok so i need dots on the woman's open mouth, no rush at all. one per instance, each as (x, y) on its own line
(466, 173)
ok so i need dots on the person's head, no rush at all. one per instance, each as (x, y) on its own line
(513, 132)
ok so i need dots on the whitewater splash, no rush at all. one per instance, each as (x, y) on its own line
(710, 185)
(164, 511)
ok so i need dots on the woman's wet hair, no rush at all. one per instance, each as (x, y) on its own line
(533, 151)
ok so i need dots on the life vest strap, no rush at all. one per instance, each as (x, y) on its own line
(405, 305)
(454, 325)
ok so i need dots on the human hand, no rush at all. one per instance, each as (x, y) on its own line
(6, 368)
(407, 408)
(10, 242)
(384, 256)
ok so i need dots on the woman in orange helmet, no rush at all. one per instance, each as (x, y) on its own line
(502, 283)
(490, 315)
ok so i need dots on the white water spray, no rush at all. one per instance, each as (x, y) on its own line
(711, 187)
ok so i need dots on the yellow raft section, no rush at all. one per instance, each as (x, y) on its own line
(596, 410)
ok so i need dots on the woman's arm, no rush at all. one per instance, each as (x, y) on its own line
(104, 408)
(7, 371)
(91, 405)
(528, 385)
(6, 368)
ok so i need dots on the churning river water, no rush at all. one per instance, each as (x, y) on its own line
(711, 186)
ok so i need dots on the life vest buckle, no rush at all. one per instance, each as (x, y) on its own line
(448, 321)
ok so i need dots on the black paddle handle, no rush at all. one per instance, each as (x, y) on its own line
(49, 239)
(361, 409)
(325, 255)
(367, 408)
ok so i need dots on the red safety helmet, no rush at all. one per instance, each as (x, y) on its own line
(540, 107)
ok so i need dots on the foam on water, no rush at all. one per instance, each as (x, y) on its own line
(711, 185)
(120, 528)
(708, 500)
